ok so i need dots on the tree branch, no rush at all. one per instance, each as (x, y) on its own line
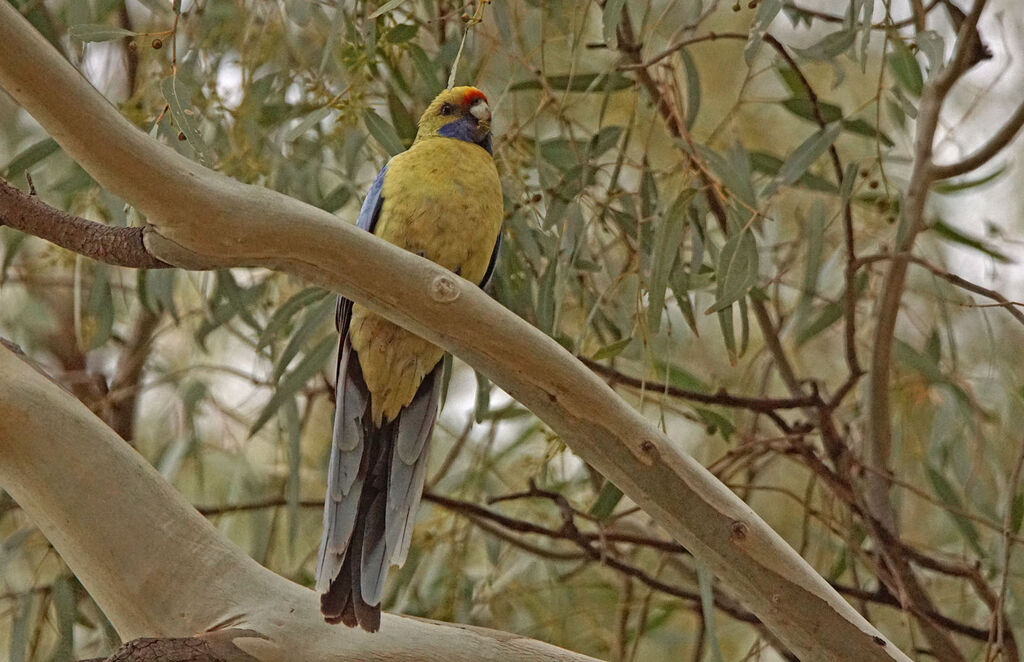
(201, 219)
(986, 152)
(121, 246)
(158, 568)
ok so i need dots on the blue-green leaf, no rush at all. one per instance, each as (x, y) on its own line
(295, 380)
(28, 157)
(179, 100)
(607, 499)
(386, 7)
(766, 13)
(805, 155)
(98, 32)
(905, 67)
(736, 271)
(610, 18)
(830, 46)
(383, 132)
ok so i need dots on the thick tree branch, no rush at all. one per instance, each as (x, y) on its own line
(158, 568)
(200, 219)
(121, 246)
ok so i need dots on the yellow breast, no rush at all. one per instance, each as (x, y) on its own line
(442, 200)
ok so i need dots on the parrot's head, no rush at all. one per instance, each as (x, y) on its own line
(461, 113)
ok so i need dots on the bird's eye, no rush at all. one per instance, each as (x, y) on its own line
(446, 109)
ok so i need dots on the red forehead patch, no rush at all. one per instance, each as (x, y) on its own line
(471, 96)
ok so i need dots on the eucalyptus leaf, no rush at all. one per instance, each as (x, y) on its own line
(830, 46)
(904, 66)
(179, 100)
(99, 32)
(611, 16)
(386, 7)
(28, 157)
(383, 132)
(736, 271)
(295, 380)
(667, 240)
(607, 499)
(805, 155)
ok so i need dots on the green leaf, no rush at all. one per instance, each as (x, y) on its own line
(830, 46)
(63, 596)
(611, 16)
(99, 309)
(156, 290)
(768, 164)
(679, 377)
(707, 607)
(905, 67)
(405, 123)
(310, 364)
(667, 240)
(921, 363)
(766, 13)
(715, 423)
(693, 93)
(308, 122)
(933, 46)
(424, 67)
(179, 100)
(815, 229)
(28, 157)
(849, 180)
(228, 300)
(17, 651)
(12, 241)
(607, 499)
(952, 187)
(386, 7)
(951, 234)
(612, 350)
(736, 271)
(287, 310)
(604, 140)
(805, 155)
(948, 495)
(402, 33)
(829, 315)
(312, 319)
(576, 83)
(98, 32)
(383, 132)
(483, 397)
(801, 106)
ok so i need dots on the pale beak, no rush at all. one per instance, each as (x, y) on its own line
(481, 111)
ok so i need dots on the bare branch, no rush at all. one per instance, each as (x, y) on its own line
(120, 246)
(1000, 139)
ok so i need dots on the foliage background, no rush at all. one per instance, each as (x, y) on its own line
(224, 380)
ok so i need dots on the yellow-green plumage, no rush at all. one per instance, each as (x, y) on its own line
(442, 200)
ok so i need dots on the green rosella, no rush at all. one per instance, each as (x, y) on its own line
(442, 200)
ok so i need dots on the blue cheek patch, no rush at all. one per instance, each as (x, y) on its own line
(465, 129)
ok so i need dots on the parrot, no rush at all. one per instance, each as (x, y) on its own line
(442, 200)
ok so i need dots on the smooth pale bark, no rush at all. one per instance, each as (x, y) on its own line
(201, 219)
(158, 568)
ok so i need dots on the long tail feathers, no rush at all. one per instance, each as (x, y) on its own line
(374, 485)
